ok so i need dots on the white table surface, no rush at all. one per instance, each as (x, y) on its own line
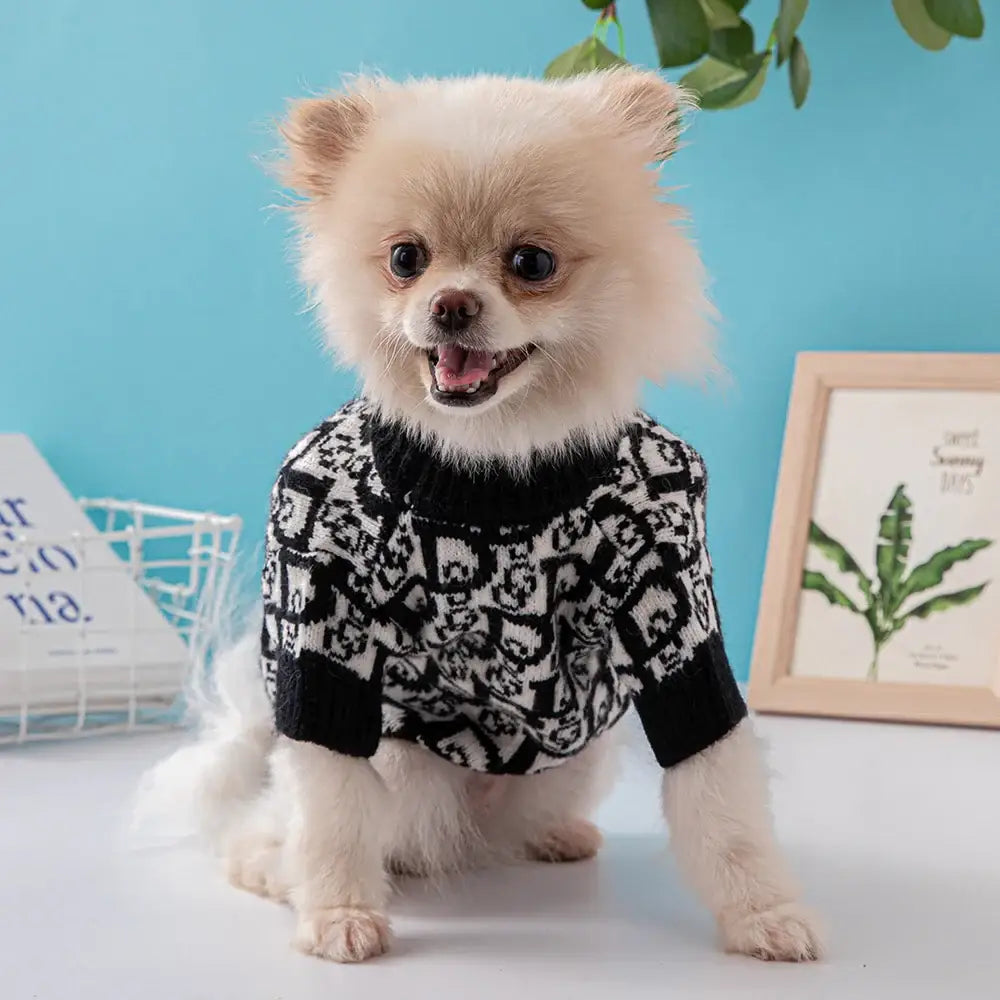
(895, 831)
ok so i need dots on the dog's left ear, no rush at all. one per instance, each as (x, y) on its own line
(648, 107)
(321, 132)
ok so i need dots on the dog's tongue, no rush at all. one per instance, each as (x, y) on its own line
(457, 366)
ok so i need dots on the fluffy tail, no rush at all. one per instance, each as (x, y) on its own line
(206, 788)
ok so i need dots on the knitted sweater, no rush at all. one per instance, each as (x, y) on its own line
(500, 621)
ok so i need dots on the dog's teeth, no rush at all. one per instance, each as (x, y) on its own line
(468, 389)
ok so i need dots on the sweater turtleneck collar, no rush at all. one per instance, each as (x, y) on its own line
(417, 475)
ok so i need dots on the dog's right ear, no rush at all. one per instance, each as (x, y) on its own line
(647, 106)
(319, 133)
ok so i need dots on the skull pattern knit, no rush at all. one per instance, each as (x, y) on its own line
(499, 619)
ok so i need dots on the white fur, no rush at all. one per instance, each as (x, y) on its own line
(204, 788)
(298, 823)
(717, 807)
(472, 167)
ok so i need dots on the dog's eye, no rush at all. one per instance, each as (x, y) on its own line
(532, 263)
(407, 260)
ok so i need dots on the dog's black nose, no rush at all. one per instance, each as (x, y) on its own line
(453, 309)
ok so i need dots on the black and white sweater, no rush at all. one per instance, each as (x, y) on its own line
(499, 621)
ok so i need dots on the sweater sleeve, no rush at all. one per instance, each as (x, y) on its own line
(668, 625)
(320, 655)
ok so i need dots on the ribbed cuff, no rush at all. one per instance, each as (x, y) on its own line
(693, 707)
(318, 702)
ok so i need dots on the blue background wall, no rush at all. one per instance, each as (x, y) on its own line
(151, 336)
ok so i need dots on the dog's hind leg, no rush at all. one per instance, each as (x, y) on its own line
(544, 816)
(431, 831)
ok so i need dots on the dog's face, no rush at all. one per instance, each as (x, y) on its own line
(492, 255)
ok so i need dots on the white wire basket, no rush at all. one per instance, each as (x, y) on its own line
(160, 577)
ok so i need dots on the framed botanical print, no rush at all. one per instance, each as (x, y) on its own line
(881, 595)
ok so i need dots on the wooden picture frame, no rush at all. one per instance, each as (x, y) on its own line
(774, 685)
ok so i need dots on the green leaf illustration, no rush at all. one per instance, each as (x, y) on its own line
(816, 581)
(931, 573)
(840, 557)
(893, 548)
(944, 601)
(881, 612)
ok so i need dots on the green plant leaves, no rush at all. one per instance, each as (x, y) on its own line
(732, 44)
(816, 581)
(960, 17)
(931, 573)
(917, 23)
(722, 85)
(945, 601)
(713, 80)
(756, 69)
(790, 16)
(893, 548)
(720, 15)
(799, 73)
(892, 551)
(839, 556)
(680, 29)
(732, 73)
(591, 54)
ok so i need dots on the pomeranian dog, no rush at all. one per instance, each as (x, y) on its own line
(474, 569)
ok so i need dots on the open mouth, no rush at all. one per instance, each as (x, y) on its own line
(460, 377)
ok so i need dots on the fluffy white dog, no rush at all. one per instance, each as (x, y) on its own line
(478, 566)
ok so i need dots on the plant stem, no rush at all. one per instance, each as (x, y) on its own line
(609, 15)
(873, 669)
(773, 37)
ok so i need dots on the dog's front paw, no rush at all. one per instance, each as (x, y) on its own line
(787, 932)
(574, 840)
(343, 934)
